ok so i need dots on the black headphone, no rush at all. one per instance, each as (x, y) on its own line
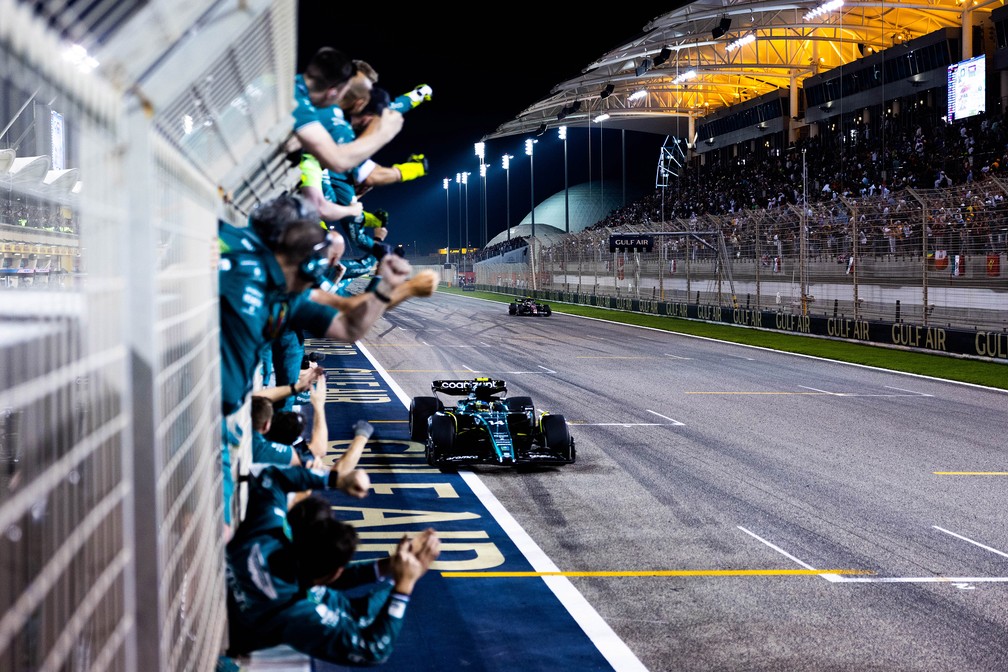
(269, 230)
(315, 266)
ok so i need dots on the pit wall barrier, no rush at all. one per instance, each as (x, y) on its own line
(946, 340)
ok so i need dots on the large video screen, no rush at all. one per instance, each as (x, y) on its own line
(967, 88)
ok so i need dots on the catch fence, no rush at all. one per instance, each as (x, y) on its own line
(860, 257)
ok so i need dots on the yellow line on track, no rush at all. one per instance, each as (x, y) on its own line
(657, 572)
(970, 473)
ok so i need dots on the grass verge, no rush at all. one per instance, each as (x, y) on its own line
(989, 373)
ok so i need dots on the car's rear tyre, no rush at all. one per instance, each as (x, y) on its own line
(557, 436)
(442, 438)
(512, 309)
(420, 409)
(520, 404)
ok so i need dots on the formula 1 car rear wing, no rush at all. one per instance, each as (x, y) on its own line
(482, 387)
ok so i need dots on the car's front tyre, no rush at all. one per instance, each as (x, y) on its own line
(420, 409)
(556, 436)
(441, 438)
(520, 404)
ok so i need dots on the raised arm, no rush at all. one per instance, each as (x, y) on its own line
(318, 444)
(352, 324)
(315, 140)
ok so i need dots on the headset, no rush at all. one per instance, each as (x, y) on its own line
(315, 265)
(264, 217)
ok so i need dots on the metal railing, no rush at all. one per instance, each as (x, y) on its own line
(111, 518)
(863, 258)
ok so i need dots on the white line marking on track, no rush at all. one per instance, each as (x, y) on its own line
(905, 393)
(917, 394)
(625, 424)
(828, 577)
(606, 640)
(614, 649)
(545, 369)
(954, 580)
(468, 369)
(816, 389)
(975, 543)
(676, 356)
(961, 582)
(772, 352)
(665, 417)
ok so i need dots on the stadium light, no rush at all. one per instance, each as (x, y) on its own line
(465, 183)
(685, 76)
(562, 132)
(79, 57)
(740, 42)
(506, 165)
(529, 144)
(447, 252)
(824, 8)
(458, 181)
(481, 153)
(486, 232)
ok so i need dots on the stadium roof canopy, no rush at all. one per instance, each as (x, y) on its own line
(695, 36)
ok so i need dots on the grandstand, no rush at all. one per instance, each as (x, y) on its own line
(821, 150)
(824, 173)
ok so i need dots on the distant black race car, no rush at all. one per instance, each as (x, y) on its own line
(487, 427)
(529, 306)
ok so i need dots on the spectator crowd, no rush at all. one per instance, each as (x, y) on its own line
(954, 172)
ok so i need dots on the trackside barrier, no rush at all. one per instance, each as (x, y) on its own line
(111, 518)
(988, 344)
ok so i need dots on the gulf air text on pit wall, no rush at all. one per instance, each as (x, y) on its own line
(992, 344)
(846, 328)
(916, 336)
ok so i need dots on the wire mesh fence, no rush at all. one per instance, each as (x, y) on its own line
(111, 539)
(863, 258)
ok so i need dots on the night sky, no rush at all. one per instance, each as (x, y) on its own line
(482, 75)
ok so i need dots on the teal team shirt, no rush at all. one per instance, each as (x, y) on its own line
(338, 188)
(270, 452)
(267, 605)
(255, 308)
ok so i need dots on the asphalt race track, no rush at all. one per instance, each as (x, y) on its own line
(734, 508)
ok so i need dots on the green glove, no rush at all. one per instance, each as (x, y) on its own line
(415, 167)
(373, 221)
(311, 171)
